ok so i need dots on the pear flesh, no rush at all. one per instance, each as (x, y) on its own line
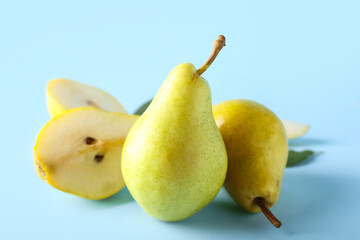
(79, 152)
(65, 94)
(295, 129)
(257, 148)
(174, 160)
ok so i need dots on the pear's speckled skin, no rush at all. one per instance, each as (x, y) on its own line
(174, 159)
(257, 149)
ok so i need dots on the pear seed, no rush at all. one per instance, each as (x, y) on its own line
(98, 158)
(91, 103)
(89, 140)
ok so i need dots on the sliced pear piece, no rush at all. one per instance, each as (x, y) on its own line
(79, 151)
(294, 129)
(65, 94)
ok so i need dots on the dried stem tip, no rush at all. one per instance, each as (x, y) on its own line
(268, 214)
(218, 45)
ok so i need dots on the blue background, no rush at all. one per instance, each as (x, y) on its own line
(299, 58)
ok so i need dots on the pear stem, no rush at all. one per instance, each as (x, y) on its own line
(268, 214)
(218, 45)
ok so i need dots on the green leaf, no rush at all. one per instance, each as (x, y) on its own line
(295, 158)
(142, 108)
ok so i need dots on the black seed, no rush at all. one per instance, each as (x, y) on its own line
(98, 158)
(89, 140)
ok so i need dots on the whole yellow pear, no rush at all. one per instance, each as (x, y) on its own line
(174, 159)
(257, 149)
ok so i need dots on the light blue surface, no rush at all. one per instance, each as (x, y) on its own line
(299, 58)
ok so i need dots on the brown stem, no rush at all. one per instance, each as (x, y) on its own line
(218, 45)
(268, 214)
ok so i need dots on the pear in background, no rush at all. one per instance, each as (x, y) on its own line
(257, 149)
(79, 151)
(174, 160)
(64, 94)
(295, 129)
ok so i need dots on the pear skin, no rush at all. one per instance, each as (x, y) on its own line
(174, 159)
(257, 148)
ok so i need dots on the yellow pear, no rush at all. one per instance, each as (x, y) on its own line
(65, 94)
(79, 151)
(174, 159)
(257, 149)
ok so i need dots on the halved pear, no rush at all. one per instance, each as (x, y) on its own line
(79, 151)
(65, 94)
(294, 129)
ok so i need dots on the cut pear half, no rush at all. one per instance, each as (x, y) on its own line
(294, 129)
(65, 94)
(79, 151)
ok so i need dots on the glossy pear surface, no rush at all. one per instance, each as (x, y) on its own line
(257, 148)
(174, 160)
(65, 94)
(79, 151)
